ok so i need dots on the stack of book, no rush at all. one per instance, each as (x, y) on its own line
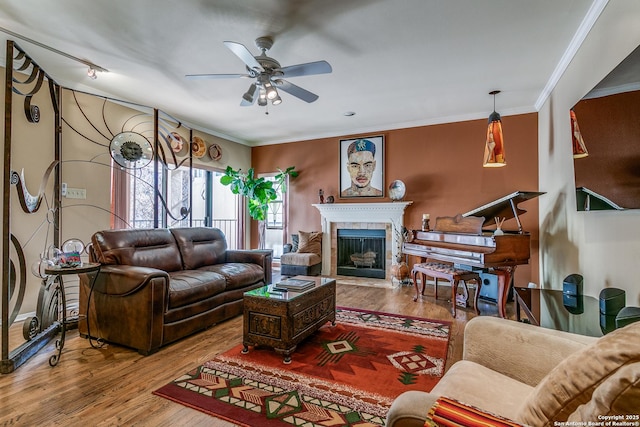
(295, 285)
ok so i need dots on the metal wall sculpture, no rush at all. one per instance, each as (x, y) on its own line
(146, 138)
(24, 78)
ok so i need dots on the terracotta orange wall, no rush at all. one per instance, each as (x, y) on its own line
(441, 166)
(611, 131)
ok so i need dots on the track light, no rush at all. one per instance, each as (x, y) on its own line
(91, 73)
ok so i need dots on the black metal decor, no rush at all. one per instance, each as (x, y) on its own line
(19, 65)
(24, 78)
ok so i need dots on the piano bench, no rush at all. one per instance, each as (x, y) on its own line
(448, 272)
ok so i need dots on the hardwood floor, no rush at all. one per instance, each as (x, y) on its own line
(112, 386)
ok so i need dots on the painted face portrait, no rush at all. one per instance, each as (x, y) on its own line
(361, 165)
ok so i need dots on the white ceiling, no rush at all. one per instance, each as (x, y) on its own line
(396, 63)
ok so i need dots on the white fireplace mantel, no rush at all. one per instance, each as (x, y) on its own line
(383, 212)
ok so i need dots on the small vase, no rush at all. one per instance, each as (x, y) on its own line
(400, 271)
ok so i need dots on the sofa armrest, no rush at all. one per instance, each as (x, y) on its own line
(410, 409)
(507, 347)
(125, 279)
(262, 257)
(126, 306)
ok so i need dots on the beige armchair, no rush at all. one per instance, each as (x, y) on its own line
(303, 256)
(535, 376)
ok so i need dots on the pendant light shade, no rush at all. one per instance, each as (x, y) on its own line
(579, 148)
(494, 146)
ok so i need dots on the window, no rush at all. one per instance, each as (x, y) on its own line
(276, 222)
(212, 204)
(275, 212)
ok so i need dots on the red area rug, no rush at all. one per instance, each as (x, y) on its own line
(345, 375)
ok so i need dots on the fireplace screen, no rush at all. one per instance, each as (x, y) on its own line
(361, 253)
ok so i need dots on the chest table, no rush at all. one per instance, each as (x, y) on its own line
(281, 320)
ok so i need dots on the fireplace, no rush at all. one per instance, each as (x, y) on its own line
(359, 216)
(361, 253)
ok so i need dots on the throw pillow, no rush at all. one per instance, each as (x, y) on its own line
(310, 242)
(451, 412)
(294, 243)
(572, 382)
(617, 395)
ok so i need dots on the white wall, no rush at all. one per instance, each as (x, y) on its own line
(602, 246)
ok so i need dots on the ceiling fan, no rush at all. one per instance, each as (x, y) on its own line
(269, 74)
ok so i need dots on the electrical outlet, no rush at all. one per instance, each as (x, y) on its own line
(76, 193)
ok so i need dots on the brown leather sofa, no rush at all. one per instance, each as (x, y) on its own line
(156, 286)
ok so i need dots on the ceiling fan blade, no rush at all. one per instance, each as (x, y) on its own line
(296, 91)
(245, 55)
(250, 96)
(216, 76)
(308, 69)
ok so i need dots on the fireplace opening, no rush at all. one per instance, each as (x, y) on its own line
(361, 253)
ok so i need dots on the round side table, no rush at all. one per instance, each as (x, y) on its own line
(55, 275)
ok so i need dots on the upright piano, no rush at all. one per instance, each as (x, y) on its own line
(500, 254)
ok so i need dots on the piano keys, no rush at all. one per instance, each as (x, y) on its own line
(500, 254)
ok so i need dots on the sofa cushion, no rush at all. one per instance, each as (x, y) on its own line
(200, 246)
(154, 248)
(189, 286)
(310, 242)
(484, 388)
(236, 274)
(572, 382)
(296, 258)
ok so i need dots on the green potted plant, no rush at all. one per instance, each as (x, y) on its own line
(258, 191)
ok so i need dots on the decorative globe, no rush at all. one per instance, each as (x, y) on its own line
(397, 190)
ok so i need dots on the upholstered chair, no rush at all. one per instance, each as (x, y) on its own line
(534, 376)
(303, 256)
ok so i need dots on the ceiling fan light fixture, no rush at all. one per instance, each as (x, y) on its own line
(262, 98)
(272, 93)
(268, 74)
(248, 96)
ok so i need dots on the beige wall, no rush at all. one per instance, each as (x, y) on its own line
(85, 164)
(602, 246)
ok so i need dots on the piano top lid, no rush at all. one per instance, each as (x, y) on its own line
(505, 207)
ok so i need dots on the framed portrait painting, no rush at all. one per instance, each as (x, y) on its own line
(362, 167)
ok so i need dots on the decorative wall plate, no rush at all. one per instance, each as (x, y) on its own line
(397, 190)
(131, 150)
(215, 152)
(177, 142)
(198, 147)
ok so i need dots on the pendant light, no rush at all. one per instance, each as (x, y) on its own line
(579, 148)
(494, 147)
